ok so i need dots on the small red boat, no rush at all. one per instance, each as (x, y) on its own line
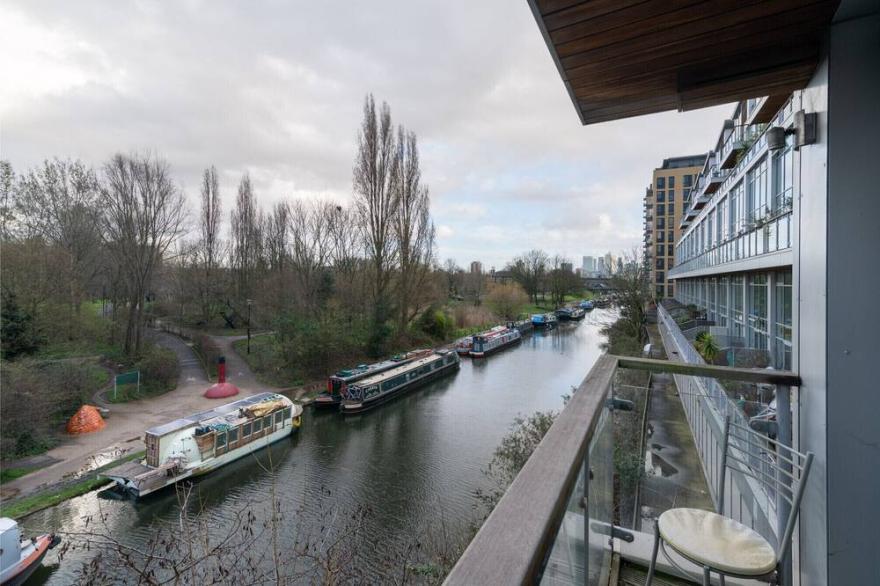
(20, 557)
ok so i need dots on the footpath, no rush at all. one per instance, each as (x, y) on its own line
(123, 435)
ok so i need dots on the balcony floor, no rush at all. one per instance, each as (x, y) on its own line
(633, 575)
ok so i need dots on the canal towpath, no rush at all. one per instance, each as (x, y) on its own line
(79, 455)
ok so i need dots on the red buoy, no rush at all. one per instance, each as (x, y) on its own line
(221, 389)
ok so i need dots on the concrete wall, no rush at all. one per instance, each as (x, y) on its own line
(853, 291)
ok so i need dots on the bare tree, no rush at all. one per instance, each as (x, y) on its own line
(633, 294)
(58, 203)
(310, 247)
(561, 280)
(413, 229)
(277, 235)
(143, 211)
(246, 230)
(450, 272)
(347, 245)
(376, 202)
(529, 270)
(210, 245)
(7, 213)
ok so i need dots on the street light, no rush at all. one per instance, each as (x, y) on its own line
(249, 302)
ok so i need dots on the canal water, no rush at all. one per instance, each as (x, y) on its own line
(411, 466)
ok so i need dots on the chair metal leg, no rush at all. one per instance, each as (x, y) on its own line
(653, 555)
(707, 576)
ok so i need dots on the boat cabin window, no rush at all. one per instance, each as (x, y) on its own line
(245, 430)
(221, 440)
(258, 425)
(267, 421)
(279, 417)
(287, 413)
(233, 435)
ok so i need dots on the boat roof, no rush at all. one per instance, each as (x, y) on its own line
(221, 411)
(400, 369)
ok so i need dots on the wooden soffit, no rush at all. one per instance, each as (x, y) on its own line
(621, 58)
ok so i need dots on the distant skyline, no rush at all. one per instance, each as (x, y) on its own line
(278, 92)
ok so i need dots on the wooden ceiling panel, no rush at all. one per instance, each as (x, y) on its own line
(629, 57)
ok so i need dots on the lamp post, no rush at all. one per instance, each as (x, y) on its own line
(249, 302)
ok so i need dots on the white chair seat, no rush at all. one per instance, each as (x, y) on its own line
(717, 541)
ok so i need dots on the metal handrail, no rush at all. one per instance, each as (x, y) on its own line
(513, 543)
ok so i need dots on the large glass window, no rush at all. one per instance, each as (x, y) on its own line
(660, 196)
(671, 209)
(671, 180)
(736, 298)
(658, 264)
(661, 250)
(721, 318)
(661, 183)
(733, 208)
(758, 311)
(688, 180)
(782, 171)
(756, 191)
(661, 223)
(782, 303)
(661, 209)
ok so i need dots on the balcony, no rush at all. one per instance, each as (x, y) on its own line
(738, 140)
(562, 520)
(768, 237)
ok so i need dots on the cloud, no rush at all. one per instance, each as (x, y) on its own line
(278, 92)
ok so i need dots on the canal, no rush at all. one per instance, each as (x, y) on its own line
(404, 475)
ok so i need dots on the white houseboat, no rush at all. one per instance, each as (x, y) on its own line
(204, 441)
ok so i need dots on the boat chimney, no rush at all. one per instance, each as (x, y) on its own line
(221, 369)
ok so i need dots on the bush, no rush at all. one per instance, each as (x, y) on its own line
(159, 370)
(37, 400)
(436, 323)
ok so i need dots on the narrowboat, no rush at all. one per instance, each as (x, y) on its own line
(20, 557)
(204, 441)
(375, 390)
(463, 345)
(544, 320)
(577, 314)
(523, 325)
(332, 397)
(487, 343)
(586, 305)
(563, 314)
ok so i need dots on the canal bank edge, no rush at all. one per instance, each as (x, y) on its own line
(18, 508)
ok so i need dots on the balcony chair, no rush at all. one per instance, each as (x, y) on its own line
(722, 545)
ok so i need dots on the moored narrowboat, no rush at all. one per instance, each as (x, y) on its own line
(485, 344)
(340, 380)
(523, 325)
(586, 305)
(544, 320)
(204, 441)
(375, 390)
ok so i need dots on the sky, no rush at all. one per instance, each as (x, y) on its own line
(276, 89)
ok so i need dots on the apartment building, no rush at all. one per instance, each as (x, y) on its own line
(665, 201)
(778, 248)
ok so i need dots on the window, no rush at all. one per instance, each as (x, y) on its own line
(661, 251)
(686, 195)
(721, 318)
(267, 422)
(670, 292)
(758, 311)
(736, 296)
(670, 237)
(671, 182)
(688, 180)
(661, 209)
(661, 183)
(246, 430)
(661, 276)
(733, 209)
(233, 435)
(782, 342)
(782, 170)
(287, 413)
(258, 425)
(660, 196)
(661, 223)
(756, 191)
(671, 209)
(220, 440)
(279, 417)
(661, 236)
(658, 264)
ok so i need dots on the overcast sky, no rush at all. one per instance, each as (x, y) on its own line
(277, 89)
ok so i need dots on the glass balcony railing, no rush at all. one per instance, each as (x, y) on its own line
(569, 511)
(770, 234)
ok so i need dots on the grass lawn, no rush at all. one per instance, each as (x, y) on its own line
(8, 474)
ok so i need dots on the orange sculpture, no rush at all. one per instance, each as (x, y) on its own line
(86, 420)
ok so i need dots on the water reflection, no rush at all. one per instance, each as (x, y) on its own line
(415, 461)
